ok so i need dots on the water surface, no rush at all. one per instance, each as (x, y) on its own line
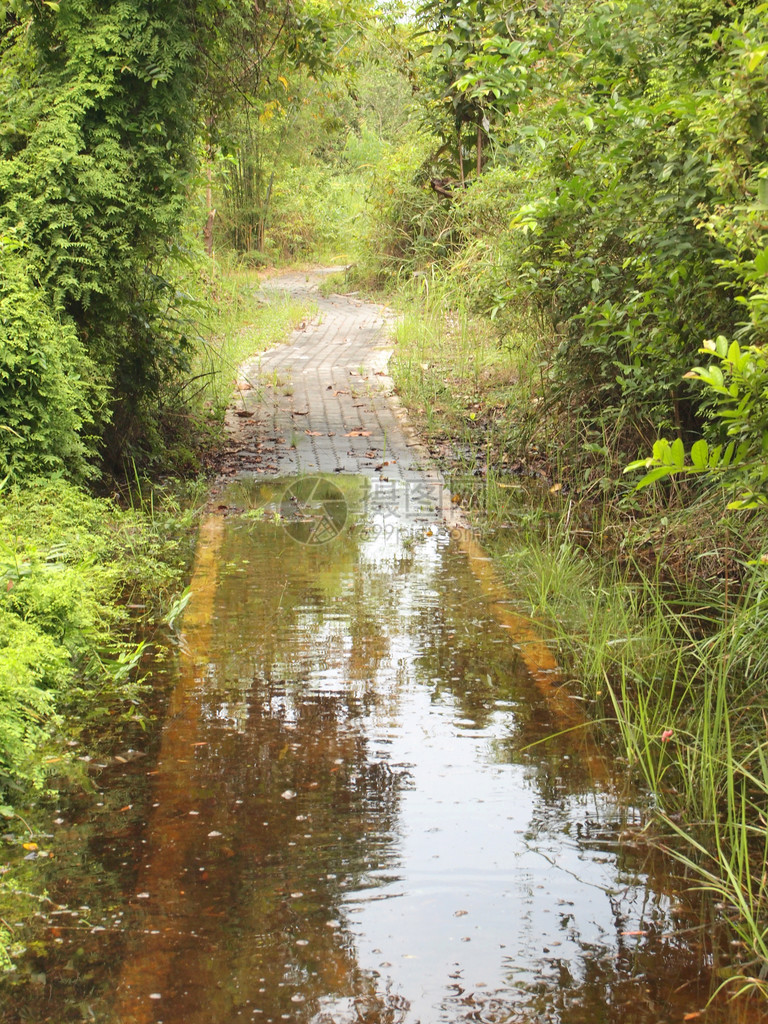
(345, 819)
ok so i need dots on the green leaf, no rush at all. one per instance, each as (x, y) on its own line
(637, 464)
(661, 450)
(700, 454)
(655, 474)
(761, 261)
(727, 455)
(677, 453)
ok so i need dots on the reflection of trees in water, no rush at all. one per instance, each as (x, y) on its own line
(473, 660)
(291, 808)
(324, 841)
(645, 983)
(300, 814)
(306, 809)
(305, 608)
(294, 809)
(366, 1007)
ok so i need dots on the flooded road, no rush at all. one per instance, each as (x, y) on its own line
(346, 821)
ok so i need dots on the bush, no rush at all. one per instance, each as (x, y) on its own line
(47, 382)
(67, 563)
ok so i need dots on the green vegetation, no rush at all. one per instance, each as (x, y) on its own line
(126, 306)
(84, 584)
(570, 202)
(241, 322)
(576, 227)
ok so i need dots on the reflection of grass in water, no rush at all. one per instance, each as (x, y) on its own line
(252, 494)
(314, 509)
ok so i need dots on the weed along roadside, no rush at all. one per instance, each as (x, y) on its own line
(91, 591)
(463, 714)
(644, 641)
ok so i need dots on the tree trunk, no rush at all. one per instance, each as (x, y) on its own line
(208, 229)
(461, 156)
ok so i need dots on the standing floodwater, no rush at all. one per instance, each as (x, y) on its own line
(346, 820)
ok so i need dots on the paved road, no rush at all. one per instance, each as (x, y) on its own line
(322, 403)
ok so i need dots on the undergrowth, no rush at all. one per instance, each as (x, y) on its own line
(89, 586)
(84, 583)
(244, 320)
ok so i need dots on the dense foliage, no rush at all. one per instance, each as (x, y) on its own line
(604, 164)
(96, 155)
(47, 393)
(106, 110)
(591, 180)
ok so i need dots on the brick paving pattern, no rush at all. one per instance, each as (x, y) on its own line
(322, 403)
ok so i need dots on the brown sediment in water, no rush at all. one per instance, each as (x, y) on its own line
(362, 719)
(145, 973)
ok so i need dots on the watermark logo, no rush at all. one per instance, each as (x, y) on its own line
(313, 510)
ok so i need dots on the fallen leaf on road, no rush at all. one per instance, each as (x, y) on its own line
(358, 433)
(314, 433)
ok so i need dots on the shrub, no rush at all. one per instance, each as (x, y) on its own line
(47, 382)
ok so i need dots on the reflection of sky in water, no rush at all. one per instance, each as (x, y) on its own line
(473, 900)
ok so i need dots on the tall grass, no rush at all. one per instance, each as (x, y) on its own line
(682, 676)
(459, 380)
(652, 608)
(244, 320)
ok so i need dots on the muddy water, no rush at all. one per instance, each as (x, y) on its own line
(345, 820)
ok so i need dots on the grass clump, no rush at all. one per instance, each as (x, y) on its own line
(245, 320)
(229, 316)
(473, 396)
(676, 675)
